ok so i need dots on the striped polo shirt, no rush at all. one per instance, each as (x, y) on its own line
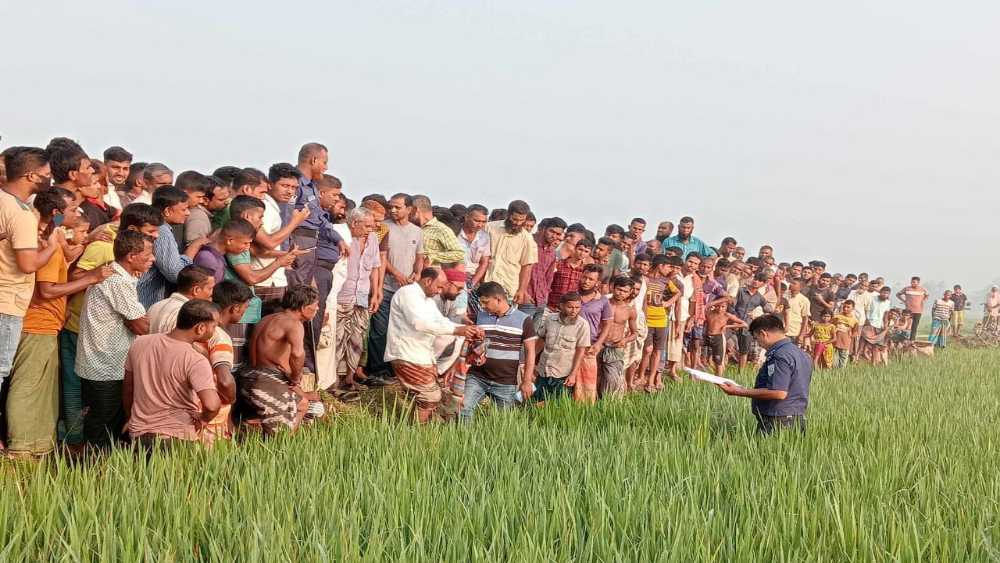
(505, 336)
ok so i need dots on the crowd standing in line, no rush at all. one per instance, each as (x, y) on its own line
(136, 304)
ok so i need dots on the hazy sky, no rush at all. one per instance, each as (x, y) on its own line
(862, 133)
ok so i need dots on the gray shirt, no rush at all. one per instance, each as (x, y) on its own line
(405, 242)
(198, 225)
(561, 341)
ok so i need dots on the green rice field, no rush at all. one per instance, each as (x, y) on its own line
(899, 464)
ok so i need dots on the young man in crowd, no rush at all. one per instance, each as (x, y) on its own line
(509, 336)
(172, 203)
(941, 313)
(33, 398)
(439, 243)
(622, 332)
(513, 252)
(846, 331)
(780, 395)
(193, 282)
(797, 313)
(747, 299)
(661, 294)
(913, 297)
(117, 161)
(686, 241)
(278, 222)
(549, 235)
(718, 320)
(563, 339)
(112, 317)
(566, 273)
(154, 175)
(961, 301)
(405, 259)
(169, 392)
(20, 256)
(476, 243)
(596, 311)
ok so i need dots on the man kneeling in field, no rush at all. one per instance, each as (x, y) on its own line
(270, 388)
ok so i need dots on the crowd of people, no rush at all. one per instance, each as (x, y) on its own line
(139, 304)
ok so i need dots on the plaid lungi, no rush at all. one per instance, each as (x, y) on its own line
(268, 395)
(420, 383)
(352, 324)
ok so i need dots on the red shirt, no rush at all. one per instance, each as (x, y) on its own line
(565, 279)
(541, 275)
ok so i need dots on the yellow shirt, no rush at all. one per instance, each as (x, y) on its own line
(97, 254)
(796, 311)
(510, 253)
(18, 231)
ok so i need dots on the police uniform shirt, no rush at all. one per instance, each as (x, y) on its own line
(786, 368)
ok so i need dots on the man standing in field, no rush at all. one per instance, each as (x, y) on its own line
(781, 393)
(914, 297)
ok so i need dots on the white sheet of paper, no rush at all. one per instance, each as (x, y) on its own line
(709, 378)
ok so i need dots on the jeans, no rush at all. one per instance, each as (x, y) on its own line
(10, 335)
(477, 387)
(377, 335)
(841, 358)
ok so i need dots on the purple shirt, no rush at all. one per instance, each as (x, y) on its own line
(210, 258)
(541, 275)
(713, 289)
(357, 287)
(594, 312)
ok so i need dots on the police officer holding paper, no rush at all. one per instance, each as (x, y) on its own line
(781, 393)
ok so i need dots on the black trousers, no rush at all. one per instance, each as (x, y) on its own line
(767, 425)
(916, 323)
(104, 423)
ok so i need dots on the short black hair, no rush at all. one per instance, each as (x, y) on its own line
(555, 223)
(762, 277)
(193, 181)
(227, 174)
(196, 311)
(231, 292)
(675, 261)
(728, 240)
(429, 273)
(139, 214)
(675, 249)
(134, 173)
(328, 182)
(65, 160)
(818, 264)
(498, 215)
(248, 177)
(614, 230)
(458, 210)
(282, 170)
(299, 296)
(644, 257)
(243, 203)
(660, 259)
(62, 143)
(767, 323)
(621, 281)
(192, 275)
(569, 297)
(607, 242)
(239, 227)
(22, 160)
(117, 154)
(51, 200)
(639, 220)
(128, 242)
(477, 208)
(686, 220)
(592, 268)
(492, 289)
(407, 198)
(168, 196)
(576, 228)
(585, 242)
(915, 278)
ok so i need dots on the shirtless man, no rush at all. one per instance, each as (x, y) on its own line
(717, 321)
(621, 333)
(271, 387)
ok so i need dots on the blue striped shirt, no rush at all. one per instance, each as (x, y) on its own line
(505, 337)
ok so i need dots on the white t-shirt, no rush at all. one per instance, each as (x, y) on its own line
(270, 225)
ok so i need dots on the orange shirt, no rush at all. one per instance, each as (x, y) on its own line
(47, 316)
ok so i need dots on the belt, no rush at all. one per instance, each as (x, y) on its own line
(328, 264)
(303, 232)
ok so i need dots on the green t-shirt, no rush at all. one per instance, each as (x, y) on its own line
(252, 314)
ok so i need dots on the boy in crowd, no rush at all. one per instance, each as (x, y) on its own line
(718, 320)
(847, 329)
(621, 333)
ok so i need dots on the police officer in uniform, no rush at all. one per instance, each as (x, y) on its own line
(781, 393)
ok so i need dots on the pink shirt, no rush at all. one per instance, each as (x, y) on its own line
(914, 299)
(166, 377)
(357, 286)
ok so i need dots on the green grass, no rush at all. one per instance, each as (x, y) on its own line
(898, 465)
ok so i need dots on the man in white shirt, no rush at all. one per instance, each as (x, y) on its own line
(414, 323)
(277, 225)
